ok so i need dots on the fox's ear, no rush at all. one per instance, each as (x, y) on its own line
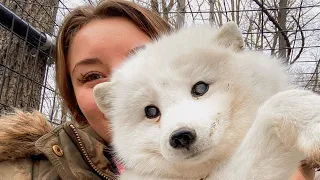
(229, 36)
(102, 96)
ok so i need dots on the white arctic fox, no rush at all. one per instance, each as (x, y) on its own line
(195, 105)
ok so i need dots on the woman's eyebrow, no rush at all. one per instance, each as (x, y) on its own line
(135, 50)
(87, 62)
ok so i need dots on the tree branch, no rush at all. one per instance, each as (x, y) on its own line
(302, 39)
(275, 22)
(155, 6)
(313, 74)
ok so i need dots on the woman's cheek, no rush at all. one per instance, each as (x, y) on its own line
(87, 104)
(93, 114)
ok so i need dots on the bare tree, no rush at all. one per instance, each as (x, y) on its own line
(282, 28)
(282, 19)
(155, 6)
(181, 10)
(166, 8)
(23, 67)
(216, 12)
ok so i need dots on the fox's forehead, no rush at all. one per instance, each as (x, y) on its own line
(182, 58)
(168, 81)
(149, 66)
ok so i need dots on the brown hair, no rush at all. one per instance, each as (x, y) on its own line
(149, 22)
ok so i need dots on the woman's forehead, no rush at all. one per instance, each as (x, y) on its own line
(105, 38)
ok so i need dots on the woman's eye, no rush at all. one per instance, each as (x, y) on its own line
(91, 76)
(152, 112)
(199, 89)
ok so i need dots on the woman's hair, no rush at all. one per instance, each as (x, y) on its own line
(149, 22)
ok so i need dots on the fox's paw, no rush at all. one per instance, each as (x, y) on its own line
(294, 116)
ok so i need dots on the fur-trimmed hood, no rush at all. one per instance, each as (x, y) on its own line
(18, 133)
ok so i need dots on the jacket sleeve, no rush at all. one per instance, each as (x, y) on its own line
(28, 169)
(18, 169)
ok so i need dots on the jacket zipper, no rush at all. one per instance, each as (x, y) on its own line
(84, 152)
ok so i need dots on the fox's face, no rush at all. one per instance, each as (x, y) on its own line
(178, 112)
(178, 103)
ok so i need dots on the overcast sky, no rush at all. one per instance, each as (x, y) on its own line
(63, 11)
(73, 3)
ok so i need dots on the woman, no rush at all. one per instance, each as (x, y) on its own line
(91, 43)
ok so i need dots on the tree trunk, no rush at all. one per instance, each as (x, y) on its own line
(181, 9)
(212, 15)
(155, 6)
(282, 17)
(23, 67)
(166, 9)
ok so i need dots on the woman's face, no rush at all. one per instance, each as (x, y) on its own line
(95, 51)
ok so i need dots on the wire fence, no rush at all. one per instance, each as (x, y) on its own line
(289, 29)
(26, 78)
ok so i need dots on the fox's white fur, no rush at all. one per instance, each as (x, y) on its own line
(250, 124)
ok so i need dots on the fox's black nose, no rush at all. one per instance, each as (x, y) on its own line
(182, 138)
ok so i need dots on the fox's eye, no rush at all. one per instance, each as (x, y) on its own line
(151, 111)
(199, 89)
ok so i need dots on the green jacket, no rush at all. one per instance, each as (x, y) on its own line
(31, 149)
